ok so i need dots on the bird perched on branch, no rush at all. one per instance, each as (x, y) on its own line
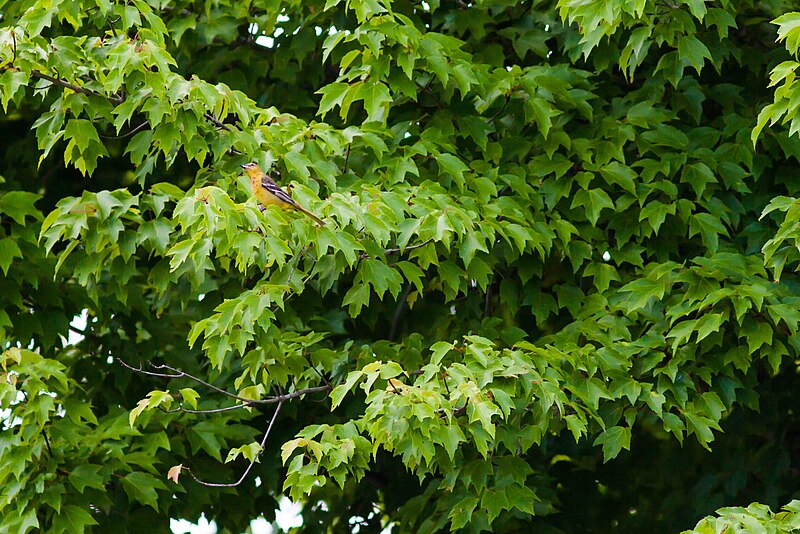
(267, 192)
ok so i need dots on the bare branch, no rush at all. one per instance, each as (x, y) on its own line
(252, 462)
(346, 158)
(398, 313)
(499, 111)
(119, 100)
(148, 373)
(176, 373)
(291, 272)
(123, 136)
(303, 283)
(311, 364)
(73, 87)
(78, 330)
(390, 251)
(181, 409)
(216, 122)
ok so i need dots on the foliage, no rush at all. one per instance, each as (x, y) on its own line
(754, 518)
(558, 270)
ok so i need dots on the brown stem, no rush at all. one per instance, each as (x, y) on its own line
(176, 373)
(76, 88)
(398, 313)
(252, 462)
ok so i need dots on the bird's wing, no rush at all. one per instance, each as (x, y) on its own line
(270, 185)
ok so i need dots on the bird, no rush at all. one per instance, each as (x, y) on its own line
(267, 192)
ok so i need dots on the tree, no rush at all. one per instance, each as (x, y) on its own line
(556, 289)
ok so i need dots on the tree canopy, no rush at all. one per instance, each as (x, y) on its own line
(556, 290)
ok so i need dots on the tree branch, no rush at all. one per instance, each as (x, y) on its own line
(73, 87)
(252, 462)
(123, 136)
(346, 158)
(216, 122)
(181, 409)
(390, 251)
(176, 373)
(398, 313)
(120, 99)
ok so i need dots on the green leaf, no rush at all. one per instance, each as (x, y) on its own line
(462, 511)
(697, 7)
(594, 201)
(789, 30)
(622, 175)
(453, 166)
(701, 427)
(707, 324)
(298, 164)
(693, 50)
(709, 228)
(341, 390)
(142, 487)
(332, 95)
(494, 502)
(8, 251)
(756, 334)
(82, 136)
(87, 475)
(72, 519)
(376, 100)
(522, 498)
(540, 112)
(12, 82)
(655, 213)
(482, 412)
(356, 298)
(251, 451)
(698, 175)
(20, 204)
(189, 396)
(614, 439)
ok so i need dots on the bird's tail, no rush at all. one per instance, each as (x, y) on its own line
(317, 219)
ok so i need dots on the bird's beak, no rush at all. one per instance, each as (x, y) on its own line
(244, 165)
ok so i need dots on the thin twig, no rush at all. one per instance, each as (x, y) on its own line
(147, 373)
(216, 122)
(120, 99)
(78, 330)
(252, 462)
(291, 272)
(390, 251)
(346, 158)
(303, 283)
(311, 364)
(76, 88)
(398, 313)
(457, 412)
(44, 431)
(47, 442)
(176, 373)
(499, 111)
(181, 409)
(111, 25)
(123, 136)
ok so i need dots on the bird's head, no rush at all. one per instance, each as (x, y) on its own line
(252, 169)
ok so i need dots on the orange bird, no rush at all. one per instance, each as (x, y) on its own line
(269, 193)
